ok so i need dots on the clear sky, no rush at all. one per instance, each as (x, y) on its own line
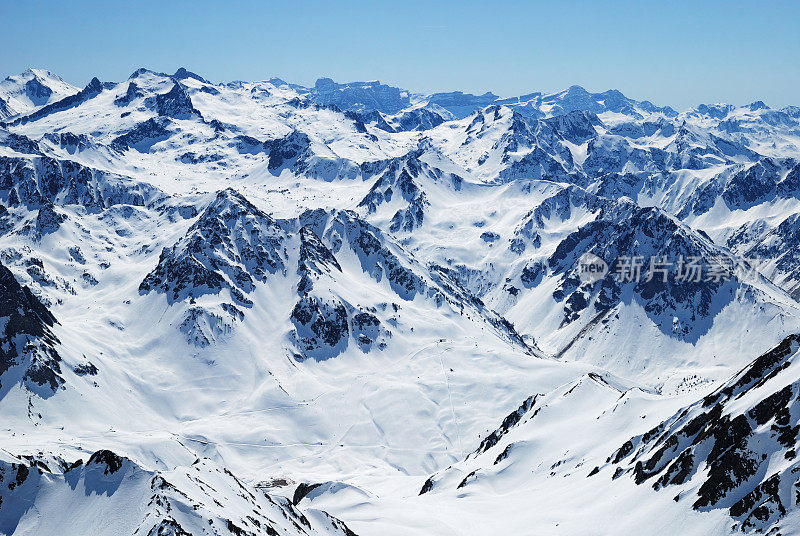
(672, 53)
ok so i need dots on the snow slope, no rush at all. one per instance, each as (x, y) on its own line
(260, 308)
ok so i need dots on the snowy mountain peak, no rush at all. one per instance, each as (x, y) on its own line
(182, 74)
(231, 245)
(349, 293)
(26, 92)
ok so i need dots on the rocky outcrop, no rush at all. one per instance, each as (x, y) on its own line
(28, 352)
(40, 181)
(196, 499)
(232, 245)
(143, 136)
(175, 103)
(736, 449)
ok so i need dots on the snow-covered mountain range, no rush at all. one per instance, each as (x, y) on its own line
(261, 308)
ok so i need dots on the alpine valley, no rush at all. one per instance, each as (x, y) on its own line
(258, 308)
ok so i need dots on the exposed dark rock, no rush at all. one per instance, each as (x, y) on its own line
(143, 136)
(175, 104)
(182, 74)
(111, 462)
(285, 151)
(94, 88)
(20, 143)
(132, 93)
(509, 422)
(321, 325)
(302, 490)
(43, 180)
(576, 126)
(26, 341)
(466, 480)
(404, 175)
(85, 369)
(69, 141)
(723, 452)
(648, 254)
(360, 96)
(232, 245)
(37, 92)
(48, 220)
(490, 237)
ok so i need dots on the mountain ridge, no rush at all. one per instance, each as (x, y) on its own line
(350, 293)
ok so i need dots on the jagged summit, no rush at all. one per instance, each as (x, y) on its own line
(196, 497)
(182, 74)
(175, 103)
(230, 246)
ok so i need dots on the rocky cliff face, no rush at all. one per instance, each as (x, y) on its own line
(734, 450)
(28, 353)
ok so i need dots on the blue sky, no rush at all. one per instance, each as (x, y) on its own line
(678, 54)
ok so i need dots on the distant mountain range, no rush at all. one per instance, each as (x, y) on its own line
(260, 308)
